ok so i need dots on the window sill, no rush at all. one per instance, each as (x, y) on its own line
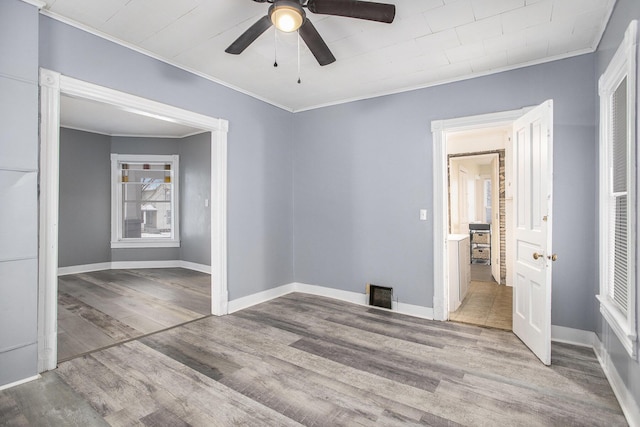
(139, 243)
(619, 325)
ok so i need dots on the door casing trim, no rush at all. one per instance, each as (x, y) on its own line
(439, 130)
(52, 85)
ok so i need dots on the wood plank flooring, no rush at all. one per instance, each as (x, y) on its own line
(102, 308)
(314, 361)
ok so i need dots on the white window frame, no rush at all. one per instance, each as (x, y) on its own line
(117, 239)
(623, 65)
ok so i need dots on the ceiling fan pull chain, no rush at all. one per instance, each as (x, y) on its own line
(275, 48)
(299, 81)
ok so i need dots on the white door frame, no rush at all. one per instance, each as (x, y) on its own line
(52, 84)
(439, 130)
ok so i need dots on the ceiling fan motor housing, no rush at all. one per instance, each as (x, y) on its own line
(287, 15)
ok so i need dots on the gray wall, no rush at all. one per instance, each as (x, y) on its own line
(85, 197)
(628, 369)
(195, 188)
(144, 145)
(363, 170)
(18, 187)
(84, 225)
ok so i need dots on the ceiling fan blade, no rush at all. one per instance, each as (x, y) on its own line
(316, 45)
(249, 36)
(371, 11)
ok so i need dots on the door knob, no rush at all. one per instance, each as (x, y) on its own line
(553, 257)
(536, 255)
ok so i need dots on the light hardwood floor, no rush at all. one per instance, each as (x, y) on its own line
(308, 360)
(102, 308)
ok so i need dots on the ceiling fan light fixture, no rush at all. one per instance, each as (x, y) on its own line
(286, 16)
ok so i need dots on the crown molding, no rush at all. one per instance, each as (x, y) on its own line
(356, 98)
(37, 3)
(93, 31)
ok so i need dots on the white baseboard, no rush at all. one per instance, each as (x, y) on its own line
(260, 297)
(347, 296)
(629, 405)
(23, 381)
(363, 299)
(122, 265)
(415, 310)
(573, 336)
(202, 268)
(86, 268)
(119, 265)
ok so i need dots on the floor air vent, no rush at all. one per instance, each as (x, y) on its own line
(380, 296)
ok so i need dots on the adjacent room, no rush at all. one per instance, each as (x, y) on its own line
(479, 211)
(319, 212)
(121, 204)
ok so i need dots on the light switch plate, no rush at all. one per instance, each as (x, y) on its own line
(423, 214)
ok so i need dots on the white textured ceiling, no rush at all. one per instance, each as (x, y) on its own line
(430, 42)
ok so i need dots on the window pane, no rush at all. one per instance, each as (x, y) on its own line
(620, 282)
(145, 176)
(132, 216)
(146, 192)
(156, 192)
(619, 287)
(619, 137)
(148, 219)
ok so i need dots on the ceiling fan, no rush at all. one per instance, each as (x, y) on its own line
(289, 16)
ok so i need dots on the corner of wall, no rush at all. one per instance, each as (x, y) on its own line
(628, 402)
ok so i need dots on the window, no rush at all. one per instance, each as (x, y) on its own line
(487, 201)
(617, 88)
(144, 201)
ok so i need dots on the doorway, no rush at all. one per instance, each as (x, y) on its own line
(459, 137)
(108, 294)
(529, 182)
(52, 86)
(476, 183)
(477, 205)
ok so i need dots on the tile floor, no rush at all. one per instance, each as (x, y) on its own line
(481, 273)
(486, 304)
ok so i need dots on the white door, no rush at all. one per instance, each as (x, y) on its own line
(533, 150)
